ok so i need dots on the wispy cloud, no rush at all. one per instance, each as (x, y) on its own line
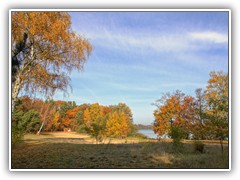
(213, 37)
(164, 42)
(186, 84)
(139, 41)
(135, 60)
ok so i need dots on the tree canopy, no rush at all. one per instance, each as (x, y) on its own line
(203, 117)
(45, 50)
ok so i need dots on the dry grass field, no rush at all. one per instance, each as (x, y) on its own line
(79, 151)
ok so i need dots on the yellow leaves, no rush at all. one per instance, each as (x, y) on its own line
(55, 119)
(56, 49)
(114, 121)
(87, 118)
(92, 115)
(118, 124)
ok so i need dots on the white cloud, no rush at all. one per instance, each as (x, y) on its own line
(130, 87)
(144, 41)
(184, 84)
(214, 37)
(139, 40)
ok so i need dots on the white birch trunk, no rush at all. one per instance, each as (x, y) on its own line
(39, 131)
(19, 82)
(16, 88)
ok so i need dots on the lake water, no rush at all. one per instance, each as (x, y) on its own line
(148, 132)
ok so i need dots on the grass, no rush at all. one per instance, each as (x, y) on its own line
(73, 151)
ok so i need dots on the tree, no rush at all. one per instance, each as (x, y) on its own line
(55, 123)
(118, 124)
(30, 122)
(173, 115)
(122, 107)
(46, 114)
(87, 119)
(79, 118)
(44, 52)
(17, 131)
(44, 109)
(94, 121)
(63, 109)
(198, 125)
(80, 114)
(66, 106)
(216, 96)
(70, 118)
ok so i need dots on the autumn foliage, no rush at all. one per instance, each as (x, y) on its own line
(45, 50)
(205, 116)
(96, 120)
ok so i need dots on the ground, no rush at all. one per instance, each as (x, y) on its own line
(70, 150)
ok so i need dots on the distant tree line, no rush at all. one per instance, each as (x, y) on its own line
(142, 126)
(36, 115)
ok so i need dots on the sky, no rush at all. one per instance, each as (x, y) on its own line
(138, 56)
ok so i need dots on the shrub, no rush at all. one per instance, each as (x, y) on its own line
(16, 130)
(177, 135)
(81, 129)
(139, 135)
(199, 146)
(17, 134)
(30, 121)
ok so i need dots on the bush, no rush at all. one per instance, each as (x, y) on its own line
(17, 134)
(16, 130)
(81, 129)
(24, 122)
(177, 135)
(139, 135)
(30, 121)
(198, 146)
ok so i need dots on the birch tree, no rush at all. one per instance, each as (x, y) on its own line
(44, 51)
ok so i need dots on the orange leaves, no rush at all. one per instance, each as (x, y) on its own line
(69, 120)
(50, 49)
(58, 103)
(176, 111)
(203, 117)
(97, 120)
(216, 95)
(72, 112)
(42, 24)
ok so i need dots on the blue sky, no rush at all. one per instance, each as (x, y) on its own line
(137, 56)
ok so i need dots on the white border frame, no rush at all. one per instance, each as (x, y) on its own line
(125, 10)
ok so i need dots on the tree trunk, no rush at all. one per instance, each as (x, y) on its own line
(15, 91)
(39, 131)
(221, 142)
(18, 82)
(44, 119)
(110, 139)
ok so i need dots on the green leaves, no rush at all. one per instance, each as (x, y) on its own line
(29, 121)
(216, 95)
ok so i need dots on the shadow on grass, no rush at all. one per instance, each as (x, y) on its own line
(55, 139)
(147, 155)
